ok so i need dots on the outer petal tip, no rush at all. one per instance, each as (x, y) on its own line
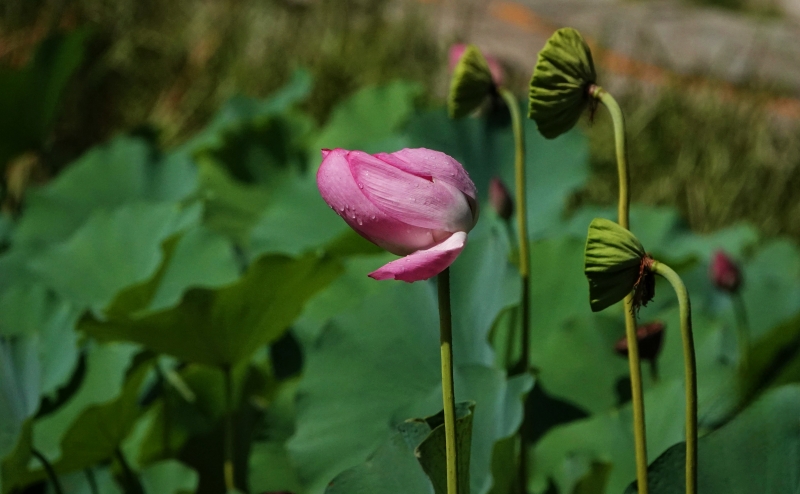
(423, 264)
(325, 153)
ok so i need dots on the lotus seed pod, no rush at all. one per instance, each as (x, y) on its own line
(471, 83)
(615, 264)
(559, 90)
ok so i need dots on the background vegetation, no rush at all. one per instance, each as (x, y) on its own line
(160, 228)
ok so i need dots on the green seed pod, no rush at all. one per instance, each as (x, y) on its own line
(615, 264)
(560, 83)
(471, 83)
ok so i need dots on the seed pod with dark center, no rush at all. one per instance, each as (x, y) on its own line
(471, 84)
(616, 264)
(650, 338)
(559, 89)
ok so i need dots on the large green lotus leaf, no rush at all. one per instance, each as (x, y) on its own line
(571, 347)
(31, 96)
(103, 382)
(566, 453)
(393, 468)
(105, 178)
(225, 325)
(347, 407)
(561, 79)
(32, 311)
(197, 258)
(756, 452)
(88, 269)
(102, 481)
(19, 388)
(241, 112)
(470, 85)
(296, 220)
(485, 146)
(169, 477)
(368, 118)
(483, 283)
(612, 262)
(97, 432)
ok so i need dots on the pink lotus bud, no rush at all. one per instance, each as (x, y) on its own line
(500, 199)
(416, 203)
(650, 338)
(725, 273)
(457, 50)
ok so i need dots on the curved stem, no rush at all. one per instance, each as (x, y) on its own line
(448, 395)
(634, 364)
(690, 370)
(230, 483)
(51, 473)
(132, 484)
(91, 480)
(524, 266)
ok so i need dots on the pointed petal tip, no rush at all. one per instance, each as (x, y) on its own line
(423, 264)
(325, 153)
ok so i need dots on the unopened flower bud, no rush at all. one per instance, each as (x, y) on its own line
(724, 273)
(500, 199)
(649, 337)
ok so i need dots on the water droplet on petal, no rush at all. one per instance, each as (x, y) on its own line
(360, 186)
(360, 222)
(342, 208)
(372, 217)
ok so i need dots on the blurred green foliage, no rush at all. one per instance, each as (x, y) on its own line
(148, 266)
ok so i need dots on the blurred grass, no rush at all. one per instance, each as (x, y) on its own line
(166, 67)
(170, 65)
(718, 157)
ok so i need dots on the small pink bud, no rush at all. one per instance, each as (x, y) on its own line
(416, 203)
(500, 199)
(457, 50)
(650, 338)
(724, 273)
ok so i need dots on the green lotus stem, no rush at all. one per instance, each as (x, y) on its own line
(230, 483)
(51, 473)
(742, 331)
(91, 480)
(690, 370)
(448, 395)
(524, 264)
(133, 486)
(634, 364)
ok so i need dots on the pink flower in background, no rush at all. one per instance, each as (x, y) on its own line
(457, 50)
(725, 273)
(416, 203)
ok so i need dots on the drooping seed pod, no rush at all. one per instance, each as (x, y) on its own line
(559, 89)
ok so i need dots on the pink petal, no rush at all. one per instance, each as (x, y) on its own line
(340, 190)
(420, 201)
(456, 51)
(423, 264)
(429, 163)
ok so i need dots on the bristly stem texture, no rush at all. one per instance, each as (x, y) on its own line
(690, 371)
(524, 266)
(637, 395)
(448, 395)
(230, 483)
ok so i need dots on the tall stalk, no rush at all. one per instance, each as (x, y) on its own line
(51, 473)
(230, 483)
(623, 206)
(524, 266)
(690, 371)
(448, 394)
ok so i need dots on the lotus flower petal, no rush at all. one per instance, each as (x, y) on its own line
(340, 190)
(421, 201)
(423, 264)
